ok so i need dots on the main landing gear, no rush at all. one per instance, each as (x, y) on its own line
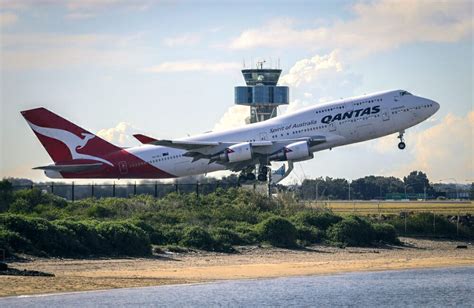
(262, 173)
(249, 175)
(401, 144)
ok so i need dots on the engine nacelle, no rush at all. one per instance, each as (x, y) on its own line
(237, 152)
(297, 151)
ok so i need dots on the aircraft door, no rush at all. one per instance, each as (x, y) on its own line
(263, 136)
(123, 167)
(332, 127)
(385, 115)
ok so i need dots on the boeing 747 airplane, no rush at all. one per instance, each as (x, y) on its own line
(295, 137)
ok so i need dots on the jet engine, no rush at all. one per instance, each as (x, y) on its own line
(297, 151)
(235, 153)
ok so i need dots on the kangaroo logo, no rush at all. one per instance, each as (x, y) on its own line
(72, 141)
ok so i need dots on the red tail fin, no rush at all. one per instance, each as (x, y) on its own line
(144, 139)
(64, 140)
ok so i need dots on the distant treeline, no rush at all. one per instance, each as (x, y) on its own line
(415, 185)
(39, 223)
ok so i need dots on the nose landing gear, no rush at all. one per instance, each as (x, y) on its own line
(401, 144)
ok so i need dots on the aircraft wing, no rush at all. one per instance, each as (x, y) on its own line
(206, 149)
(71, 167)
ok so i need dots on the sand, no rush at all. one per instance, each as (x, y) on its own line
(250, 262)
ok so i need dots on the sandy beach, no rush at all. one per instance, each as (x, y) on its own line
(250, 263)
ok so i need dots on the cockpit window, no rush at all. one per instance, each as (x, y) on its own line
(405, 93)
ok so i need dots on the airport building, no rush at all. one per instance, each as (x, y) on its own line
(261, 94)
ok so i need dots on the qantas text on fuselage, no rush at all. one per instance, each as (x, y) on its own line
(78, 153)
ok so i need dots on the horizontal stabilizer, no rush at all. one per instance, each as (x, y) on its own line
(185, 145)
(71, 168)
(144, 139)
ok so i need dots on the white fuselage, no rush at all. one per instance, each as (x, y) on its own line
(342, 122)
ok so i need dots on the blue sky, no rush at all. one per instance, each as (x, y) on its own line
(168, 68)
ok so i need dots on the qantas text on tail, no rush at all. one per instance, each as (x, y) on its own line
(78, 153)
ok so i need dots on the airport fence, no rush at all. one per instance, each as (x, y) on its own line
(382, 207)
(410, 218)
(72, 191)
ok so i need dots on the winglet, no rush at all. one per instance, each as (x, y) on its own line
(144, 139)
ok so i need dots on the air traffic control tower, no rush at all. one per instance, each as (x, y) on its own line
(261, 93)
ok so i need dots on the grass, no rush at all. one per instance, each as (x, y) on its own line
(395, 207)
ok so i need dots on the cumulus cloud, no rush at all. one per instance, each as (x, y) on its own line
(121, 134)
(376, 25)
(234, 117)
(7, 19)
(321, 78)
(446, 148)
(193, 65)
(306, 70)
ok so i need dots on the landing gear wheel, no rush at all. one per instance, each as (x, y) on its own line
(242, 177)
(250, 176)
(262, 177)
(263, 170)
(402, 144)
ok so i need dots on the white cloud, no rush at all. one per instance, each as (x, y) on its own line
(446, 149)
(193, 65)
(234, 117)
(53, 51)
(321, 78)
(79, 9)
(306, 70)
(121, 134)
(377, 25)
(443, 150)
(7, 19)
(188, 39)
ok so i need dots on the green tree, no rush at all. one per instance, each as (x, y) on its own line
(417, 182)
(6, 190)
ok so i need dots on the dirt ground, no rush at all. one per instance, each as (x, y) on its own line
(251, 262)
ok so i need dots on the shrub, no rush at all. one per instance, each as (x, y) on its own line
(422, 224)
(246, 233)
(124, 238)
(351, 231)
(197, 237)
(156, 236)
(224, 239)
(21, 205)
(278, 231)
(49, 238)
(173, 234)
(12, 241)
(227, 236)
(320, 220)
(308, 235)
(91, 241)
(100, 211)
(385, 233)
(176, 249)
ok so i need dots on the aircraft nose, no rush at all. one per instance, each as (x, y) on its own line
(435, 106)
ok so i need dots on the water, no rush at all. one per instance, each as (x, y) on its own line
(415, 288)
